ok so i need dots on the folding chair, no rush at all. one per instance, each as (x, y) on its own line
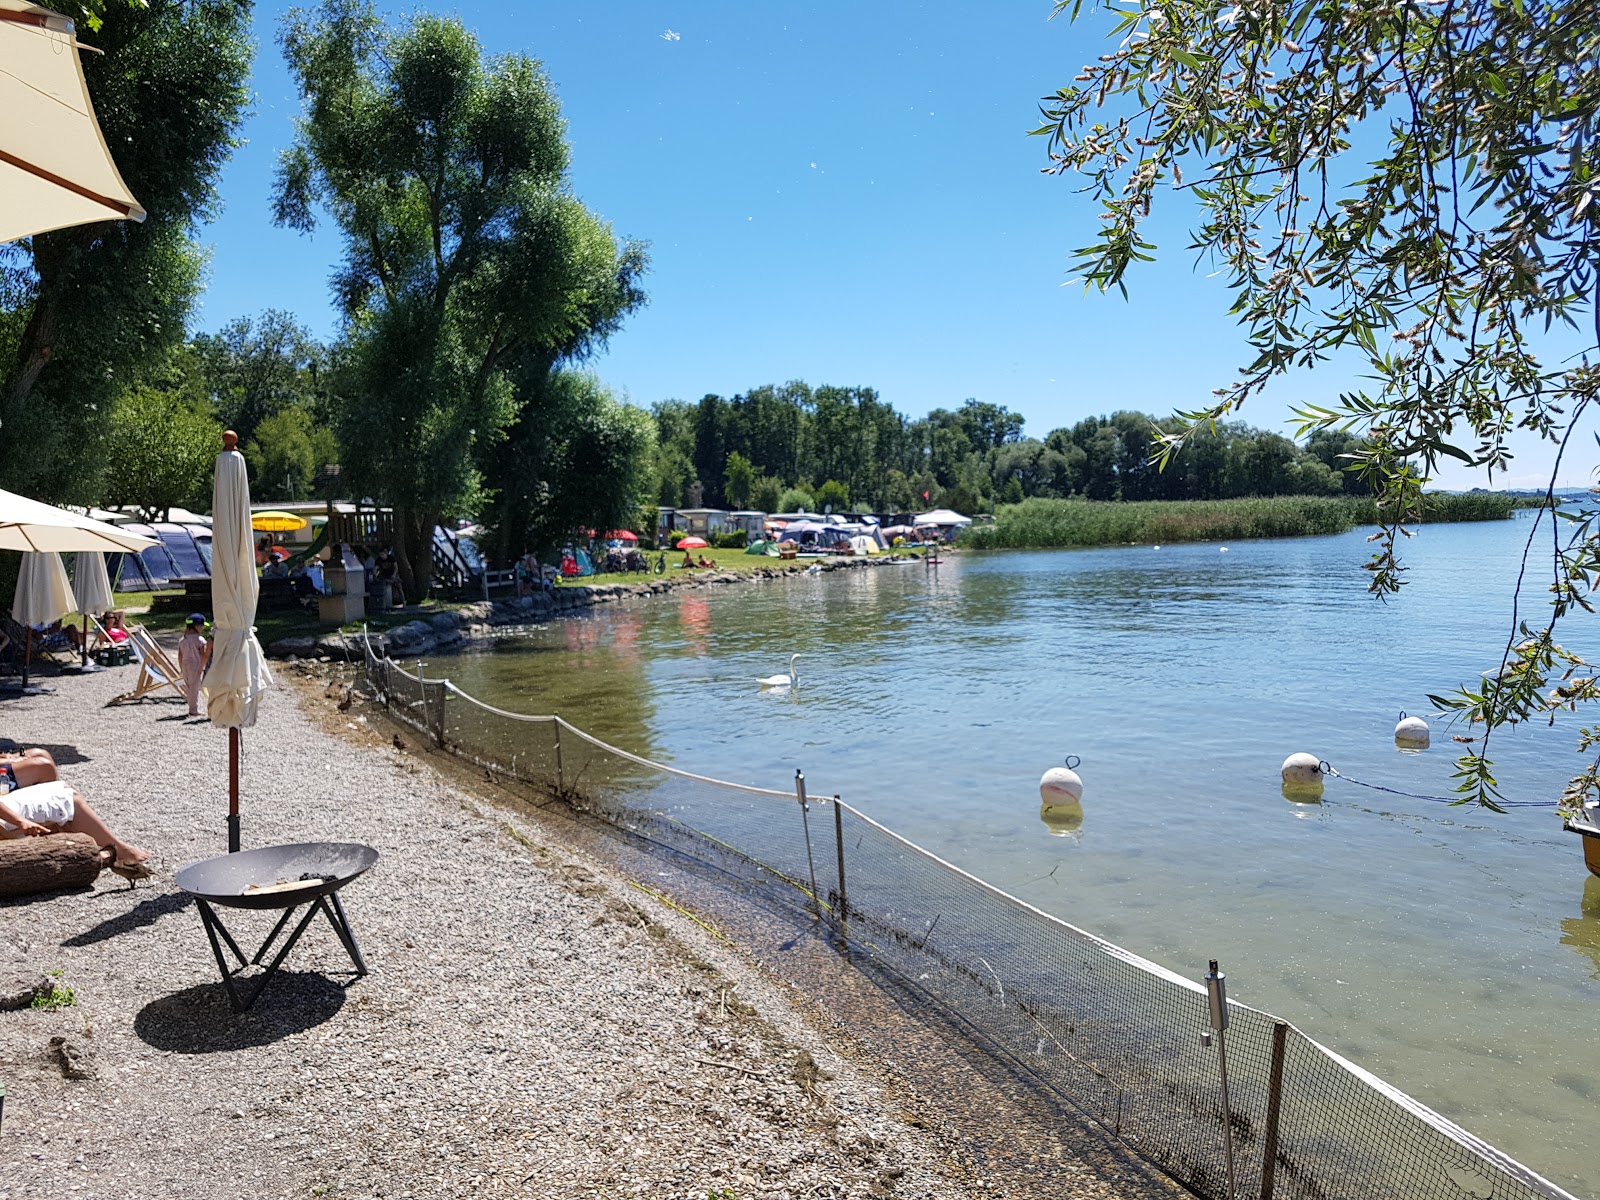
(156, 669)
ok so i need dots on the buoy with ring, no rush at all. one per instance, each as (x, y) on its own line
(1411, 733)
(1060, 798)
(1302, 777)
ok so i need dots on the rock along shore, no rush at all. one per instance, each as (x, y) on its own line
(453, 629)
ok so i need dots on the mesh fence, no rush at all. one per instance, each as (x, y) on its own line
(1116, 1035)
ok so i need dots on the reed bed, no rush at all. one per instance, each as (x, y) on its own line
(1047, 524)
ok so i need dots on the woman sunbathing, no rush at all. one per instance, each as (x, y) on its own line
(39, 804)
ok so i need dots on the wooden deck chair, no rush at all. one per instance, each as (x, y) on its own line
(156, 669)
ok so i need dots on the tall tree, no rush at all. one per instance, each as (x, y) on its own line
(256, 367)
(466, 257)
(83, 310)
(1412, 185)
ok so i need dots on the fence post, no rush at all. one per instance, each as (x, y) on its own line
(561, 778)
(1269, 1147)
(844, 899)
(805, 825)
(1217, 997)
(438, 713)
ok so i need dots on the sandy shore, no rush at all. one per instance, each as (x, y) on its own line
(532, 1025)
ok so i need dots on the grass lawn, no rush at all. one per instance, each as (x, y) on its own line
(271, 623)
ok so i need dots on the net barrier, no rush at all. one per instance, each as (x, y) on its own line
(1121, 1038)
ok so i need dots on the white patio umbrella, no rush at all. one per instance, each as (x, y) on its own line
(238, 676)
(30, 525)
(92, 586)
(44, 596)
(55, 169)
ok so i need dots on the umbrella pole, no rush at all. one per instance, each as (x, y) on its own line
(83, 646)
(27, 657)
(233, 791)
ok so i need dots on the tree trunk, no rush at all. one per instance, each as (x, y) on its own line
(414, 551)
(47, 864)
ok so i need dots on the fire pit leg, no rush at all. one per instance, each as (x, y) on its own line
(244, 996)
(341, 926)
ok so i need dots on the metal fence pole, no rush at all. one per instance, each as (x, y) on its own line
(1217, 996)
(561, 778)
(844, 899)
(805, 825)
(1269, 1146)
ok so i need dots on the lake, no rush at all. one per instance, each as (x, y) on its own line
(1454, 952)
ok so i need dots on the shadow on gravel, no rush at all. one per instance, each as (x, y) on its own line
(65, 756)
(146, 912)
(199, 1019)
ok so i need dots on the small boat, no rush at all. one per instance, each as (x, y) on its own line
(1588, 829)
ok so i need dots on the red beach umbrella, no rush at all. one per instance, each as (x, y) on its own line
(626, 535)
(692, 543)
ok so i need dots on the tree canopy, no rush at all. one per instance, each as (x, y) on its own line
(84, 310)
(1405, 187)
(468, 265)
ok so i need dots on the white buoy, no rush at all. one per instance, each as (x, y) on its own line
(1302, 775)
(1222, 550)
(1411, 733)
(1061, 785)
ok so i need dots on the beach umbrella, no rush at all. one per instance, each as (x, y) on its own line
(44, 596)
(238, 676)
(55, 169)
(692, 543)
(92, 586)
(277, 521)
(30, 525)
(626, 535)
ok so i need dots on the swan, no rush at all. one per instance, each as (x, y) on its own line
(782, 681)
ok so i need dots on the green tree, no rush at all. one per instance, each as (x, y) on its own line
(84, 310)
(287, 451)
(1437, 263)
(739, 480)
(467, 260)
(833, 496)
(767, 494)
(795, 500)
(166, 443)
(255, 368)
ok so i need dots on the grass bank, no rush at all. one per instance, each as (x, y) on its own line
(1048, 524)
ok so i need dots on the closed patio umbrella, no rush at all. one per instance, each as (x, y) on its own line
(44, 596)
(238, 677)
(92, 586)
(55, 169)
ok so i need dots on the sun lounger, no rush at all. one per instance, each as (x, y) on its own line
(157, 671)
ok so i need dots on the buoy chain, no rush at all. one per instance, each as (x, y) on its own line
(1327, 769)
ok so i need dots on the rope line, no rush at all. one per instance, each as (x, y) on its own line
(1328, 769)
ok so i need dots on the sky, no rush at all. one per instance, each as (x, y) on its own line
(837, 192)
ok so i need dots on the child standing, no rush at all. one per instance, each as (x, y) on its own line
(194, 656)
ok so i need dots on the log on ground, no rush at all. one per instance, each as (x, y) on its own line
(47, 864)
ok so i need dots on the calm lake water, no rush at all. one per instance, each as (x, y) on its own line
(1453, 952)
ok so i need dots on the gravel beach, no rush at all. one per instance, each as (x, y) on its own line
(532, 1025)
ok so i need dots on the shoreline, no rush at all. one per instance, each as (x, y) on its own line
(453, 629)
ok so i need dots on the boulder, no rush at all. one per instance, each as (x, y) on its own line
(293, 647)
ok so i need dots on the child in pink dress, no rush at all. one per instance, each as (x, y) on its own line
(194, 656)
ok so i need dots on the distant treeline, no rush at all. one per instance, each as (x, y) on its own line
(780, 448)
(1048, 524)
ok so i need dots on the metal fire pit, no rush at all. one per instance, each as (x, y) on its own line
(314, 871)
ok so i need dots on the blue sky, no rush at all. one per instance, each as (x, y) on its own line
(836, 192)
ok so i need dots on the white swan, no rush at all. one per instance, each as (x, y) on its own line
(782, 681)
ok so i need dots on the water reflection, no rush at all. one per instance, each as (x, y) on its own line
(1061, 819)
(1583, 933)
